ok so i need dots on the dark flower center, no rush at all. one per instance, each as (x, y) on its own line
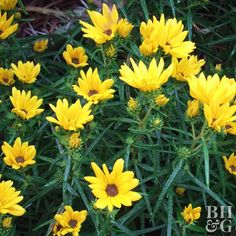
(1, 31)
(112, 190)
(108, 32)
(24, 111)
(72, 223)
(75, 60)
(5, 80)
(228, 127)
(233, 168)
(20, 159)
(92, 92)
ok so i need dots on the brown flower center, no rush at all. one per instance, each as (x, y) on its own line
(75, 60)
(5, 80)
(108, 32)
(24, 111)
(20, 159)
(233, 168)
(228, 127)
(112, 190)
(92, 92)
(72, 223)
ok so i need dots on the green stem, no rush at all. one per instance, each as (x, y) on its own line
(143, 122)
(201, 134)
(103, 56)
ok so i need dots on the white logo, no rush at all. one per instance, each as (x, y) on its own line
(219, 220)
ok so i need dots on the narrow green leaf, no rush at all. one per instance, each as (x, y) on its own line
(206, 161)
(167, 185)
(170, 212)
(206, 189)
(145, 10)
(172, 5)
(190, 24)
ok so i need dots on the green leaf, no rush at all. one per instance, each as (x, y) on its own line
(167, 186)
(206, 189)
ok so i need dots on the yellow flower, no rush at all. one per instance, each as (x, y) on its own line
(230, 128)
(193, 108)
(219, 116)
(25, 106)
(113, 189)
(191, 214)
(19, 155)
(230, 163)
(6, 222)
(212, 88)
(143, 78)
(26, 72)
(146, 29)
(104, 25)
(75, 57)
(7, 4)
(148, 47)
(180, 191)
(186, 67)
(56, 229)
(70, 117)
(161, 100)
(9, 198)
(6, 76)
(124, 28)
(6, 29)
(70, 221)
(171, 39)
(40, 45)
(92, 88)
(75, 140)
(218, 67)
(132, 104)
(110, 51)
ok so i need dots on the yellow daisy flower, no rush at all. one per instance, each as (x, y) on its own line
(113, 189)
(171, 39)
(69, 222)
(26, 72)
(110, 51)
(25, 106)
(75, 57)
(70, 117)
(20, 155)
(132, 104)
(161, 100)
(230, 128)
(191, 214)
(143, 78)
(212, 88)
(124, 28)
(219, 116)
(193, 108)
(186, 67)
(6, 76)
(104, 25)
(9, 199)
(74, 140)
(148, 47)
(92, 88)
(7, 222)
(230, 163)
(6, 29)
(7, 4)
(40, 45)
(180, 191)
